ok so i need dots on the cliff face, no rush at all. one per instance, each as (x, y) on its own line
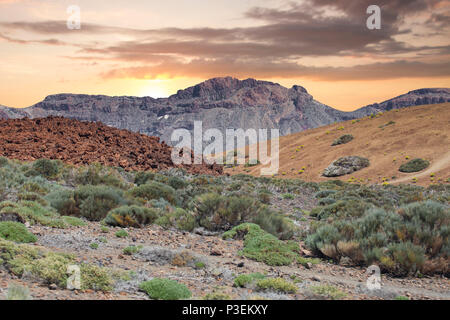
(220, 103)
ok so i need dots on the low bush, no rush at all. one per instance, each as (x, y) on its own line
(219, 213)
(154, 190)
(414, 165)
(74, 221)
(177, 218)
(96, 174)
(17, 292)
(346, 138)
(329, 292)
(51, 267)
(130, 250)
(262, 246)
(121, 234)
(94, 202)
(414, 237)
(63, 201)
(46, 168)
(143, 177)
(245, 280)
(32, 212)
(131, 216)
(16, 231)
(165, 289)
(276, 284)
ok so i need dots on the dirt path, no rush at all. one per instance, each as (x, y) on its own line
(436, 166)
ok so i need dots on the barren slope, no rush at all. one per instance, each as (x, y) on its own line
(386, 140)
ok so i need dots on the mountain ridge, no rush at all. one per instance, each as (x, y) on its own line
(220, 103)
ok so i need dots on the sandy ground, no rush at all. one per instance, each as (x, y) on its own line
(387, 141)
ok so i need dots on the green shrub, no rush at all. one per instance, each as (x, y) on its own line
(46, 168)
(342, 208)
(96, 174)
(413, 238)
(143, 177)
(176, 183)
(178, 218)
(121, 234)
(328, 291)
(165, 289)
(50, 267)
(63, 201)
(276, 284)
(34, 187)
(74, 221)
(264, 247)
(346, 138)
(95, 278)
(244, 280)
(94, 202)
(274, 223)
(130, 250)
(93, 245)
(154, 190)
(324, 194)
(34, 213)
(17, 292)
(31, 196)
(403, 258)
(264, 196)
(414, 165)
(218, 213)
(288, 196)
(3, 162)
(131, 216)
(17, 232)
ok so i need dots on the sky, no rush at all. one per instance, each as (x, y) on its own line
(154, 48)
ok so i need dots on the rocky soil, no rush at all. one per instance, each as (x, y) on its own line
(222, 264)
(78, 142)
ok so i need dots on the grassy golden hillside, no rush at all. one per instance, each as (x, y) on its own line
(387, 140)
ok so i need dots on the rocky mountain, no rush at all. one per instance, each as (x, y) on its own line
(412, 98)
(220, 103)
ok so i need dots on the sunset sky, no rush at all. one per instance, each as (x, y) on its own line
(153, 48)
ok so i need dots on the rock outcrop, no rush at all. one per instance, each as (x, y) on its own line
(79, 142)
(346, 165)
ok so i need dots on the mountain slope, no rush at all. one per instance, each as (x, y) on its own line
(387, 141)
(220, 103)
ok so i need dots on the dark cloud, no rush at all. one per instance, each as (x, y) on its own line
(53, 42)
(264, 69)
(313, 28)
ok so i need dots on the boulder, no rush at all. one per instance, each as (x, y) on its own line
(346, 165)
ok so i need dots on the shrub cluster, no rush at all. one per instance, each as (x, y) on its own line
(346, 138)
(413, 238)
(414, 165)
(165, 289)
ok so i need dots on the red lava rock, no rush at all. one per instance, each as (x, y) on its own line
(215, 252)
(79, 142)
